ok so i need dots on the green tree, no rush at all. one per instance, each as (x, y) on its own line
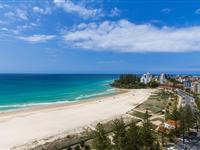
(153, 84)
(128, 81)
(172, 79)
(182, 122)
(134, 136)
(197, 120)
(171, 136)
(197, 101)
(148, 136)
(87, 147)
(197, 113)
(189, 117)
(162, 138)
(82, 143)
(77, 147)
(157, 146)
(69, 148)
(101, 141)
(175, 116)
(119, 137)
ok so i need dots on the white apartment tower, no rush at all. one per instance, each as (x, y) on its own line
(196, 87)
(146, 78)
(162, 78)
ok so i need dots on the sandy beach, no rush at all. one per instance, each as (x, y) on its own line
(23, 126)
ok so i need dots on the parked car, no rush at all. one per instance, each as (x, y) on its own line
(170, 146)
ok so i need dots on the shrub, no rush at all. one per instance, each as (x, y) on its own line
(69, 148)
(82, 144)
(77, 147)
(87, 147)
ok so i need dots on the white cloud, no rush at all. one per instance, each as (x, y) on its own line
(2, 6)
(23, 27)
(19, 13)
(41, 10)
(124, 36)
(33, 24)
(9, 14)
(81, 10)
(37, 38)
(22, 14)
(166, 10)
(26, 26)
(4, 29)
(114, 12)
(197, 11)
(3, 22)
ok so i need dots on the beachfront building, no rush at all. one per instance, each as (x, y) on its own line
(179, 78)
(195, 87)
(146, 78)
(162, 78)
(168, 126)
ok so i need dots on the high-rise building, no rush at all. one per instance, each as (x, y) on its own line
(195, 87)
(146, 78)
(187, 84)
(162, 78)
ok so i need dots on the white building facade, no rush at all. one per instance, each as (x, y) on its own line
(146, 78)
(162, 78)
(195, 87)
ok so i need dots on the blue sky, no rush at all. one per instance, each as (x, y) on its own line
(110, 36)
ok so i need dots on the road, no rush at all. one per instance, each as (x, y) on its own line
(192, 143)
(187, 100)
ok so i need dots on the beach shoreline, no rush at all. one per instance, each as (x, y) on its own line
(56, 105)
(28, 125)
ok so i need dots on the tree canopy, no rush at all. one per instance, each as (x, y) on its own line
(130, 81)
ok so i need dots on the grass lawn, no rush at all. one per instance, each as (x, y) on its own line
(156, 102)
(138, 114)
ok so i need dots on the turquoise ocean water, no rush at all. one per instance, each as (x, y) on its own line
(23, 90)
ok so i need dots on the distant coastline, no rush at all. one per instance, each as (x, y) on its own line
(27, 90)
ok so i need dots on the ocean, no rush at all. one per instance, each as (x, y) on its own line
(23, 90)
